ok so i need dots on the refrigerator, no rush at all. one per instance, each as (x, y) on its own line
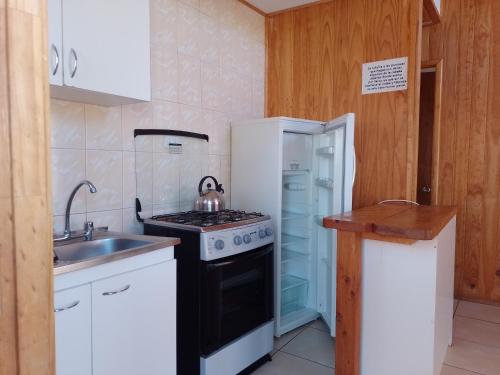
(297, 171)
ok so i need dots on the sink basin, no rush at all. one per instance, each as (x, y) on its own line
(90, 249)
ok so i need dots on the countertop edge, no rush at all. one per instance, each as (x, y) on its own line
(159, 243)
(404, 221)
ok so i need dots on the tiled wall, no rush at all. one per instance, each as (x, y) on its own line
(208, 68)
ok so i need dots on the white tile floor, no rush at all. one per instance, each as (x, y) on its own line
(476, 348)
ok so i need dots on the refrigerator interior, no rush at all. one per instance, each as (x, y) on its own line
(312, 183)
(298, 287)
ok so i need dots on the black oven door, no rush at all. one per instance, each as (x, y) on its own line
(236, 296)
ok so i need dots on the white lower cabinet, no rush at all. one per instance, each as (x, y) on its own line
(72, 310)
(117, 319)
(133, 325)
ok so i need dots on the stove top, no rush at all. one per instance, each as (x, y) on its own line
(208, 221)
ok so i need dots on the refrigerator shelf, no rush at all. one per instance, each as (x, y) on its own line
(291, 307)
(295, 236)
(326, 151)
(294, 292)
(290, 281)
(293, 186)
(288, 215)
(324, 182)
(288, 255)
(294, 172)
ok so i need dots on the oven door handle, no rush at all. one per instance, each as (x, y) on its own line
(241, 258)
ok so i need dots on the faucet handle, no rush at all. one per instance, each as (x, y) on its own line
(88, 226)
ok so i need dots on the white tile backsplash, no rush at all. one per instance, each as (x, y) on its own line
(189, 80)
(164, 73)
(111, 219)
(207, 69)
(105, 169)
(188, 30)
(103, 127)
(137, 116)
(68, 169)
(68, 125)
(163, 23)
(166, 178)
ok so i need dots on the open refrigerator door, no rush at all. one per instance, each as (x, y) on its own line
(334, 168)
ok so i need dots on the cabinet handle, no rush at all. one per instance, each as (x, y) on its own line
(56, 54)
(70, 306)
(125, 288)
(75, 62)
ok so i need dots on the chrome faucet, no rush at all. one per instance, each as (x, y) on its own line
(89, 226)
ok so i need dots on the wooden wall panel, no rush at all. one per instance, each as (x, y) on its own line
(468, 41)
(26, 308)
(319, 51)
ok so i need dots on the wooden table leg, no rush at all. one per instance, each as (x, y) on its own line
(348, 328)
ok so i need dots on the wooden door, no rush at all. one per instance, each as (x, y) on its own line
(26, 308)
(134, 322)
(429, 132)
(106, 46)
(426, 134)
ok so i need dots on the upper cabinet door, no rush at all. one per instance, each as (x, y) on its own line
(55, 42)
(106, 46)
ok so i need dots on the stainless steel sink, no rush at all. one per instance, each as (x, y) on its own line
(83, 250)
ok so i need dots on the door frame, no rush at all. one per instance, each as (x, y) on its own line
(436, 136)
(26, 261)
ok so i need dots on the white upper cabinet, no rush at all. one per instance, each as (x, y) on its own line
(105, 50)
(55, 42)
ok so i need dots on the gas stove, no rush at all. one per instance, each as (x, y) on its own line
(198, 221)
(224, 264)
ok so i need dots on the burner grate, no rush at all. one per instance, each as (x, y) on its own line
(207, 219)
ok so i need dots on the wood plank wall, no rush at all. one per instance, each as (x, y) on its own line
(468, 41)
(26, 308)
(314, 71)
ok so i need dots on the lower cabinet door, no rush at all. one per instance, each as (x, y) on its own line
(72, 310)
(134, 322)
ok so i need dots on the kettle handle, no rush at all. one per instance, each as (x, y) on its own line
(218, 187)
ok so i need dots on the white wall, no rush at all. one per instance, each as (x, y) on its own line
(208, 68)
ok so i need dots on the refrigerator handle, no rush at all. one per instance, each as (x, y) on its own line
(354, 168)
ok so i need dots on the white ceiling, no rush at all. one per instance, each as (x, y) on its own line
(269, 6)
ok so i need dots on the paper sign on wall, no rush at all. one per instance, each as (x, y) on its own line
(385, 76)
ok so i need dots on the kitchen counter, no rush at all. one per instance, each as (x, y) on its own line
(61, 267)
(395, 277)
(406, 221)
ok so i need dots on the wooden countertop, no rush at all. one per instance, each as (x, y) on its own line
(399, 220)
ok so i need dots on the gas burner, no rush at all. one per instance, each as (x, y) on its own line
(208, 219)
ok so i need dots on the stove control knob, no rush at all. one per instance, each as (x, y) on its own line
(237, 240)
(269, 231)
(262, 233)
(247, 239)
(219, 244)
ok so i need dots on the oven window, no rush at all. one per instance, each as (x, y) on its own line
(237, 296)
